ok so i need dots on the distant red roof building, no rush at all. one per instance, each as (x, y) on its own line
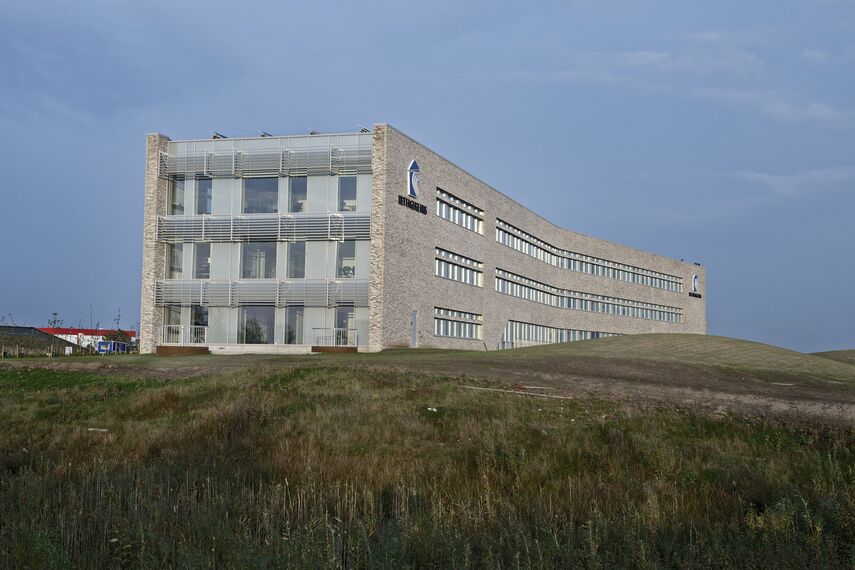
(84, 332)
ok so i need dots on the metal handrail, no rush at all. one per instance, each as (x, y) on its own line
(335, 337)
(183, 336)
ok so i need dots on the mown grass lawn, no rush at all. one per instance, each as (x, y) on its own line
(342, 467)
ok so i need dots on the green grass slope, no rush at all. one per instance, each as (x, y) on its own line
(701, 351)
(340, 467)
(846, 356)
(717, 373)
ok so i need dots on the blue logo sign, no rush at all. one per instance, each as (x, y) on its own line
(413, 179)
(695, 283)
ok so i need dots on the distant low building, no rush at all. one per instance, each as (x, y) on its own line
(29, 341)
(84, 338)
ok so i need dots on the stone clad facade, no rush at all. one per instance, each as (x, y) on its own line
(153, 253)
(458, 265)
(410, 239)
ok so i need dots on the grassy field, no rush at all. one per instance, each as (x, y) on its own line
(716, 373)
(847, 356)
(355, 461)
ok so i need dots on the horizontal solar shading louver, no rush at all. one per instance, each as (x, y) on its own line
(356, 227)
(183, 165)
(216, 293)
(315, 294)
(217, 229)
(269, 292)
(179, 229)
(261, 163)
(307, 162)
(260, 227)
(254, 292)
(178, 292)
(348, 292)
(252, 163)
(304, 292)
(222, 165)
(264, 227)
(351, 160)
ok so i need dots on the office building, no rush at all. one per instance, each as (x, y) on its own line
(371, 240)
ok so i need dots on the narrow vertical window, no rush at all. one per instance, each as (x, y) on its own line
(174, 260)
(346, 259)
(297, 260)
(345, 335)
(203, 196)
(202, 265)
(199, 330)
(176, 197)
(200, 316)
(297, 194)
(347, 193)
(171, 325)
(294, 325)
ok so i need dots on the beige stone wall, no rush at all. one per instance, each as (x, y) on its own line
(376, 289)
(403, 244)
(153, 253)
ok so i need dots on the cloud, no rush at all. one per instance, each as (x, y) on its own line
(777, 106)
(701, 55)
(809, 111)
(704, 60)
(815, 56)
(803, 181)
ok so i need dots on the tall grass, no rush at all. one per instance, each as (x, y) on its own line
(340, 468)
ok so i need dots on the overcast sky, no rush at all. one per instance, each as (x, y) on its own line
(718, 132)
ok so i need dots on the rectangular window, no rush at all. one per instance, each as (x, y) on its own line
(203, 196)
(346, 259)
(297, 260)
(255, 325)
(172, 325)
(258, 260)
(460, 212)
(202, 265)
(176, 197)
(294, 325)
(457, 324)
(345, 333)
(517, 239)
(260, 195)
(172, 316)
(519, 335)
(297, 194)
(174, 260)
(347, 193)
(531, 290)
(344, 318)
(449, 265)
(198, 332)
(200, 316)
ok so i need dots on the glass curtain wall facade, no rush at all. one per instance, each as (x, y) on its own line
(266, 241)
